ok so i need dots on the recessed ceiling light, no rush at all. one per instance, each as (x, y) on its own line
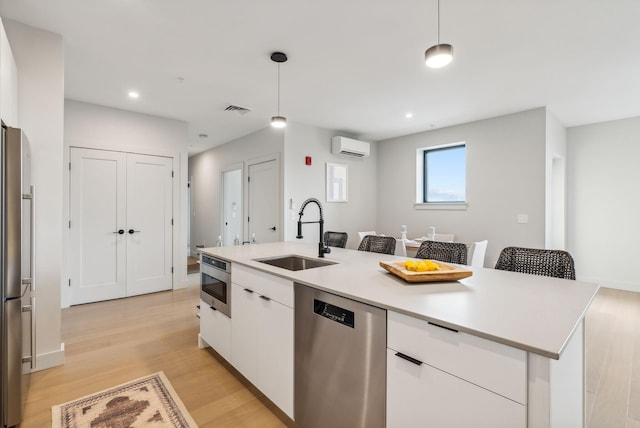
(203, 135)
(134, 95)
(408, 115)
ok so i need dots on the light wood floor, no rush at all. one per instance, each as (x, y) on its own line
(109, 343)
(613, 360)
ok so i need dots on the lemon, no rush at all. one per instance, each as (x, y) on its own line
(421, 266)
(431, 265)
(411, 265)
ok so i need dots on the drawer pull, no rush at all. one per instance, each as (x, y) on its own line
(248, 291)
(212, 308)
(265, 298)
(408, 358)
(441, 326)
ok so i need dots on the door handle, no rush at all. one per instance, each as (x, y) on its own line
(131, 231)
(119, 231)
(272, 228)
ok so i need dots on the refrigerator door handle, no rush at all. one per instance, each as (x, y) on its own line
(32, 250)
(30, 358)
(32, 271)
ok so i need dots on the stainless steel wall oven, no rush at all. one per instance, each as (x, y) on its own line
(215, 285)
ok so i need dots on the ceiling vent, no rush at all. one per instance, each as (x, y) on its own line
(349, 147)
(237, 109)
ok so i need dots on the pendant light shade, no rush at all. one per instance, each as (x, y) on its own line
(278, 121)
(441, 54)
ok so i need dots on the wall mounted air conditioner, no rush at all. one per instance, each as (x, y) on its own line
(349, 147)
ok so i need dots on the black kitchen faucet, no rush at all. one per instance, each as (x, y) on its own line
(322, 249)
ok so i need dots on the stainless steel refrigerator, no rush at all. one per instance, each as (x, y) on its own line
(16, 271)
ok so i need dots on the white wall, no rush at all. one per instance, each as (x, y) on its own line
(39, 58)
(205, 170)
(299, 182)
(93, 126)
(555, 182)
(603, 204)
(8, 82)
(505, 177)
(309, 181)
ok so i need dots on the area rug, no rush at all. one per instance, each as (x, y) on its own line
(149, 401)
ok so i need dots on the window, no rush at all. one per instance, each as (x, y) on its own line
(444, 174)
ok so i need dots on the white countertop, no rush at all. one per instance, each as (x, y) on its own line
(533, 313)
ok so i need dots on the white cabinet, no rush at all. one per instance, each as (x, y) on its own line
(262, 333)
(244, 332)
(423, 396)
(215, 330)
(442, 378)
(8, 82)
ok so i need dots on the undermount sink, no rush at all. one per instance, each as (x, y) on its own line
(293, 262)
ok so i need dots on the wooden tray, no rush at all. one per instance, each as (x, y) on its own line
(445, 273)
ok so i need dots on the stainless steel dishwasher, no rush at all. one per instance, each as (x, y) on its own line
(340, 361)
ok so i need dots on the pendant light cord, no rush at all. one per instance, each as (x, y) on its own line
(438, 26)
(278, 89)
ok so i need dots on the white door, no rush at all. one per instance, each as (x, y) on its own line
(149, 211)
(231, 206)
(264, 200)
(120, 213)
(97, 214)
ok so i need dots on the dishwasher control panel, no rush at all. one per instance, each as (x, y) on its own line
(334, 313)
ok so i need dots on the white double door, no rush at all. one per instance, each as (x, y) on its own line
(120, 224)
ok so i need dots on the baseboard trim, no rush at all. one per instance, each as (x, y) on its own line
(50, 359)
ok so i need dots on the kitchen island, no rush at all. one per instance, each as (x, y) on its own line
(515, 340)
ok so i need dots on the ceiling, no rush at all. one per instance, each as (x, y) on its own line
(355, 66)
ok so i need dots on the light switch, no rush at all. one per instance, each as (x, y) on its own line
(523, 218)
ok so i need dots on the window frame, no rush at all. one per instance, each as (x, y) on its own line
(421, 178)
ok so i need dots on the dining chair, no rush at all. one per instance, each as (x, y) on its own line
(451, 252)
(401, 247)
(476, 253)
(361, 235)
(378, 244)
(336, 239)
(553, 263)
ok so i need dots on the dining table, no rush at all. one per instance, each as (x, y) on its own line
(412, 245)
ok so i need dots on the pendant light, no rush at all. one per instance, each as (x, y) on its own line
(439, 55)
(278, 121)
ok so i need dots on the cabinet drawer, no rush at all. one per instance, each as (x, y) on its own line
(425, 397)
(491, 365)
(274, 287)
(215, 329)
